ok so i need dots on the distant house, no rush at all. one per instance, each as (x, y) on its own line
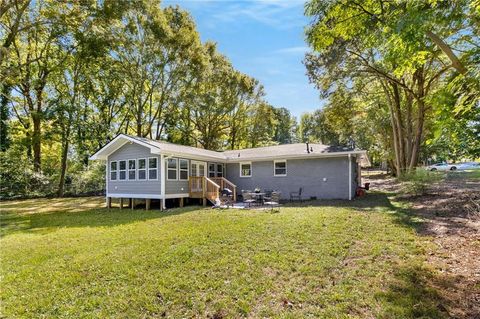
(149, 169)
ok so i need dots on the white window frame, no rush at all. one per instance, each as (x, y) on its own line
(171, 169)
(180, 169)
(223, 166)
(142, 169)
(149, 169)
(122, 170)
(128, 169)
(116, 171)
(240, 167)
(214, 170)
(275, 169)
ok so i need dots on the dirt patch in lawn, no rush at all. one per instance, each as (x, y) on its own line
(451, 217)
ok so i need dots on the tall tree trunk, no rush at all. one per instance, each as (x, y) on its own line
(37, 141)
(4, 116)
(409, 125)
(420, 96)
(398, 119)
(65, 145)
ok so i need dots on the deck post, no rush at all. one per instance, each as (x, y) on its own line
(161, 204)
(129, 202)
(181, 201)
(109, 202)
(204, 186)
(147, 203)
(121, 202)
(132, 201)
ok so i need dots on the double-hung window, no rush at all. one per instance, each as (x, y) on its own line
(123, 170)
(280, 168)
(172, 169)
(152, 168)
(132, 169)
(142, 169)
(113, 170)
(219, 170)
(211, 170)
(183, 169)
(246, 169)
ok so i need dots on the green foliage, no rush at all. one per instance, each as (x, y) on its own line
(18, 179)
(384, 67)
(418, 182)
(90, 70)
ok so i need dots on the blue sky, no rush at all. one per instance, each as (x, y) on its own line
(264, 39)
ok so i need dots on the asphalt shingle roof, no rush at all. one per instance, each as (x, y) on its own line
(249, 153)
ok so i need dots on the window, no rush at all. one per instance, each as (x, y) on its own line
(183, 168)
(219, 170)
(280, 168)
(123, 170)
(113, 171)
(172, 169)
(211, 170)
(142, 169)
(246, 169)
(152, 168)
(131, 169)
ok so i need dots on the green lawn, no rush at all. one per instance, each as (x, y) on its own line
(72, 258)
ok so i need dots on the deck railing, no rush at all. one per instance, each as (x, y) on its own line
(225, 183)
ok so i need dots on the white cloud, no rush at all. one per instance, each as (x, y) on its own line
(292, 50)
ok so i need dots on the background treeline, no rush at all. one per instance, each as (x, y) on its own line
(77, 73)
(401, 78)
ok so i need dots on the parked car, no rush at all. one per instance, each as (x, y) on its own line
(468, 165)
(441, 167)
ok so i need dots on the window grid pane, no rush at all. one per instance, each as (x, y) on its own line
(142, 163)
(152, 162)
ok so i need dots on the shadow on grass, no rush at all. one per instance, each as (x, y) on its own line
(410, 293)
(44, 222)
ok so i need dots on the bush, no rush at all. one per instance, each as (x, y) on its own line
(87, 181)
(419, 181)
(17, 178)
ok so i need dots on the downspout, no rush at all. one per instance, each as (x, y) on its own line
(163, 180)
(106, 180)
(349, 176)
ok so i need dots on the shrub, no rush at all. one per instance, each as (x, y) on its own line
(17, 178)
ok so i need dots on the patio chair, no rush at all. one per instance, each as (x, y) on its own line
(268, 195)
(296, 195)
(247, 198)
(274, 200)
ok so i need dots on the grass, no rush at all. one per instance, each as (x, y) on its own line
(67, 258)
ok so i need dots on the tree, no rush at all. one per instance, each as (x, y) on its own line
(390, 45)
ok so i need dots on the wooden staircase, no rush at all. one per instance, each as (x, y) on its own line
(210, 188)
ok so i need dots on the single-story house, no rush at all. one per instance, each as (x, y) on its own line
(141, 168)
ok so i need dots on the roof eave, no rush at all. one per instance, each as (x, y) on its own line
(295, 156)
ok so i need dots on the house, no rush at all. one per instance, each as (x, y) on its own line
(141, 168)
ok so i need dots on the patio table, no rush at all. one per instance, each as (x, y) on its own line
(258, 196)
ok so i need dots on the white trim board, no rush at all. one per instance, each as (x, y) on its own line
(147, 196)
